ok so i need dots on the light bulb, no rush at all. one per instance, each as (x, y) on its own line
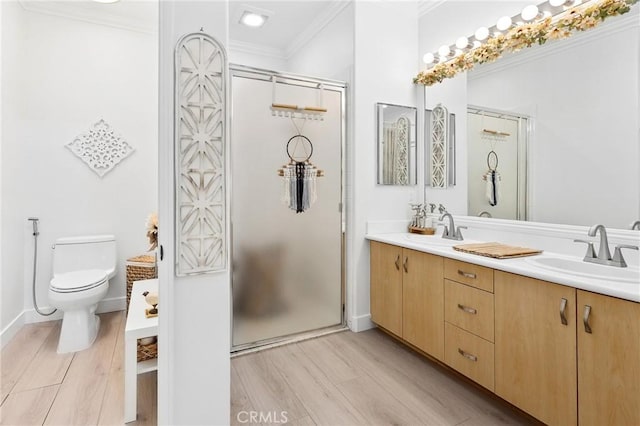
(428, 58)
(504, 23)
(482, 33)
(444, 50)
(462, 42)
(530, 12)
(476, 44)
(556, 3)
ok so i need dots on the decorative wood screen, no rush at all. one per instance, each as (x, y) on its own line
(200, 111)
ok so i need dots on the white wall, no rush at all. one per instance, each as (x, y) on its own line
(330, 53)
(75, 73)
(385, 63)
(194, 337)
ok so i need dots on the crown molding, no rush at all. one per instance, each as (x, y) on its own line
(426, 6)
(67, 10)
(620, 24)
(257, 49)
(318, 24)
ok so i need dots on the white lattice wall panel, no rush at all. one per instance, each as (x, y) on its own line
(200, 155)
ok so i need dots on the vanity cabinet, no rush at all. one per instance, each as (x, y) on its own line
(565, 356)
(407, 296)
(608, 360)
(535, 347)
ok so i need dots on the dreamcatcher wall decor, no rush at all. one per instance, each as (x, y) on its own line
(299, 175)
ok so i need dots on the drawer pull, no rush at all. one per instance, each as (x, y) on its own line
(405, 265)
(398, 262)
(563, 308)
(467, 309)
(466, 274)
(467, 355)
(585, 319)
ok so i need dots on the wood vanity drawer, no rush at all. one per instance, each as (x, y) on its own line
(470, 274)
(469, 355)
(469, 308)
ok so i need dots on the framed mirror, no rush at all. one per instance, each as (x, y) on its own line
(396, 144)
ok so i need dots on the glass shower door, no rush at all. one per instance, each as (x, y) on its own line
(286, 266)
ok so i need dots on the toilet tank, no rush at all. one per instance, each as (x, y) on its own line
(85, 252)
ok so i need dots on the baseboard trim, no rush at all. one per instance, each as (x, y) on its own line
(10, 330)
(361, 323)
(106, 305)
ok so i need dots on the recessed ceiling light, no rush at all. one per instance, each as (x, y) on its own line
(252, 19)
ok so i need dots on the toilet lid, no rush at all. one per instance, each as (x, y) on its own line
(78, 280)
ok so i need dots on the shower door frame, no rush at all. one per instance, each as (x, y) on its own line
(260, 74)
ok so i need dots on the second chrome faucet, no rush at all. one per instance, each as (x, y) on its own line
(451, 232)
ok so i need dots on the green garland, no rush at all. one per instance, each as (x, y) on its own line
(577, 19)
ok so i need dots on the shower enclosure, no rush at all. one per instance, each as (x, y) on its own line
(287, 266)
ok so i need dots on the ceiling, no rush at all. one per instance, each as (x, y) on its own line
(291, 23)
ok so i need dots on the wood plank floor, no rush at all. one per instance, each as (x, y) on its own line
(38, 386)
(363, 378)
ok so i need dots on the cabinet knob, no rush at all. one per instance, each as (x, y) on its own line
(585, 319)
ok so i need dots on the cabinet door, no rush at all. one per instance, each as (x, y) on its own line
(608, 361)
(423, 302)
(386, 286)
(535, 351)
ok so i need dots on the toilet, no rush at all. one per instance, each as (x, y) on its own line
(82, 267)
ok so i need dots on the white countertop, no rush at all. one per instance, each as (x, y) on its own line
(520, 266)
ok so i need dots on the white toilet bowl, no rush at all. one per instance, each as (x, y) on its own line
(77, 294)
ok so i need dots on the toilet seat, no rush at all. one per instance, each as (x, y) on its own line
(72, 282)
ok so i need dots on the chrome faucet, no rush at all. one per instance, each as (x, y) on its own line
(604, 255)
(635, 225)
(451, 232)
(442, 209)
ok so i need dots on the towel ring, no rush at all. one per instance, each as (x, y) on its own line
(292, 156)
(492, 154)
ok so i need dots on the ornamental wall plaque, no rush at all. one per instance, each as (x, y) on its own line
(200, 113)
(438, 139)
(101, 148)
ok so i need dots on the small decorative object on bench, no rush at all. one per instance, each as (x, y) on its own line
(151, 299)
(496, 250)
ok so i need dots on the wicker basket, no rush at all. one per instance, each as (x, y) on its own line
(142, 268)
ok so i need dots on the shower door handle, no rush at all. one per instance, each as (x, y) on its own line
(161, 252)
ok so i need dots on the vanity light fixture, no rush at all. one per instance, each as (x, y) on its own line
(530, 14)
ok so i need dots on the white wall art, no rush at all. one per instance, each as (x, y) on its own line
(200, 108)
(101, 148)
(438, 139)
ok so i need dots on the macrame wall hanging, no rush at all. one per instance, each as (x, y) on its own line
(299, 174)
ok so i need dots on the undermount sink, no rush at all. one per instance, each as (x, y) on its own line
(585, 269)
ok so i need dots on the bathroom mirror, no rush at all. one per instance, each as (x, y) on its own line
(580, 97)
(396, 144)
